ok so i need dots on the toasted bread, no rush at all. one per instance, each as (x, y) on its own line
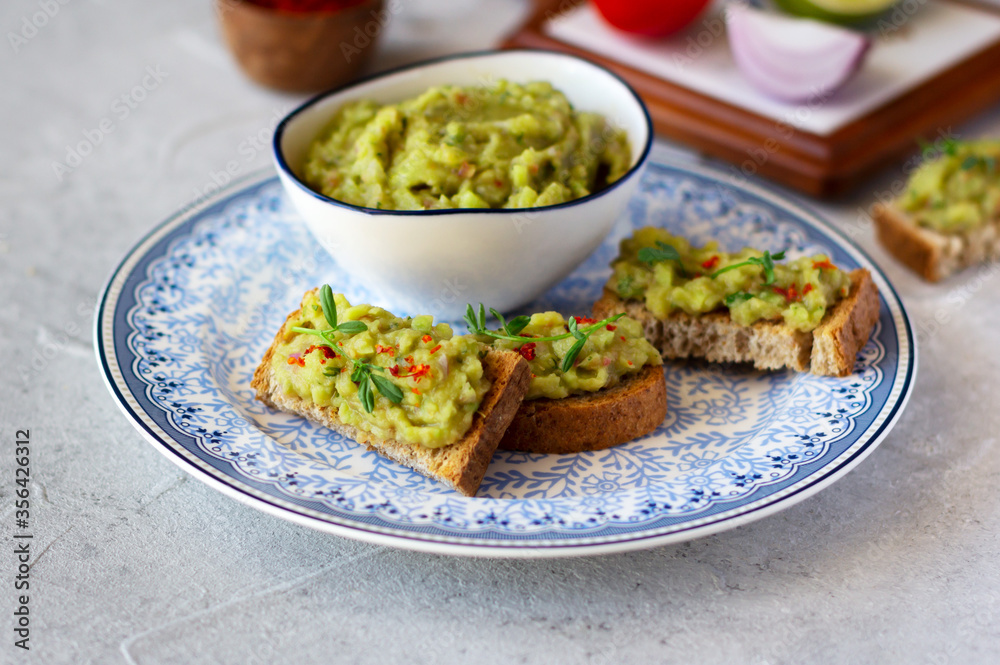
(929, 253)
(461, 465)
(828, 350)
(593, 421)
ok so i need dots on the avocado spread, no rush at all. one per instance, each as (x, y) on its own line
(440, 376)
(957, 191)
(499, 146)
(800, 293)
(610, 353)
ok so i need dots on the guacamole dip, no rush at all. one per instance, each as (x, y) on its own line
(500, 146)
(957, 191)
(440, 376)
(697, 283)
(610, 353)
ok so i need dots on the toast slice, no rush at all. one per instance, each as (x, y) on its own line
(461, 465)
(594, 421)
(828, 350)
(929, 253)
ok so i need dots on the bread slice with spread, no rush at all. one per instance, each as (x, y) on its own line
(594, 384)
(404, 387)
(948, 217)
(700, 302)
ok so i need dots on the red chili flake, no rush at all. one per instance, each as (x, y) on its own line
(328, 353)
(629, 363)
(416, 391)
(824, 264)
(385, 349)
(612, 328)
(807, 288)
(710, 263)
(527, 350)
(409, 359)
(461, 98)
(416, 372)
(623, 338)
(498, 182)
(436, 349)
(296, 360)
(426, 339)
(791, 294)
(584, 320)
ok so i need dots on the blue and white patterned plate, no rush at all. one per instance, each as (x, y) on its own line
(189, 312)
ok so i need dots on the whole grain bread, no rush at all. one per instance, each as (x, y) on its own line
(594, 421)
(828, 350)
(461, 465)
(931, 254)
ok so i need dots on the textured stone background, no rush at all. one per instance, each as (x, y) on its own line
(134, 563)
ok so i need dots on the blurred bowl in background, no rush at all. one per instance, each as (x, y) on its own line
(302, 51)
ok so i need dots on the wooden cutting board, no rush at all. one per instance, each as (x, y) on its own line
(824, 166)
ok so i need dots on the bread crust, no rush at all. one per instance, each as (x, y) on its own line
(929, 253)
(461, 465)
(594, 421)
(829, 350)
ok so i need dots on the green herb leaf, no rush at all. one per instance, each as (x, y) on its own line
(352, 327)
(387, 388)
(662, 252)
(574, 328)
(329, 305)
(366, 396)
(482, 316)
(738, 297)
(470, 320)
(359, 373)
(574, 351)
(970, 162)
(766, 261)
(517, 324)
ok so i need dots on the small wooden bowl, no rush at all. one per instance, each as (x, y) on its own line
(302, 52)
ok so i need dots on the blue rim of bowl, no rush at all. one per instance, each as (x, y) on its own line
(283, 167)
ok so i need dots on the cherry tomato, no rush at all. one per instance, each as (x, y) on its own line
(652, 18)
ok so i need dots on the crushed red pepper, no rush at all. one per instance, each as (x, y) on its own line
(527, 351)
(710, 263)
(824, 264)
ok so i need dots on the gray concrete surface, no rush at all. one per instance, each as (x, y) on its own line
(132, 562)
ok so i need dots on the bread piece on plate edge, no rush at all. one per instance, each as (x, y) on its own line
(461, 465)
(828, 350)
(931, 254)
(593, 421)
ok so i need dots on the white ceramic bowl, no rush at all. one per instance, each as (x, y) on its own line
(435, 261)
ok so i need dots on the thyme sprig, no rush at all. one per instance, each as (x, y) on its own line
(363, 374)
(665, 252)
(510, 330)
(766, 262)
